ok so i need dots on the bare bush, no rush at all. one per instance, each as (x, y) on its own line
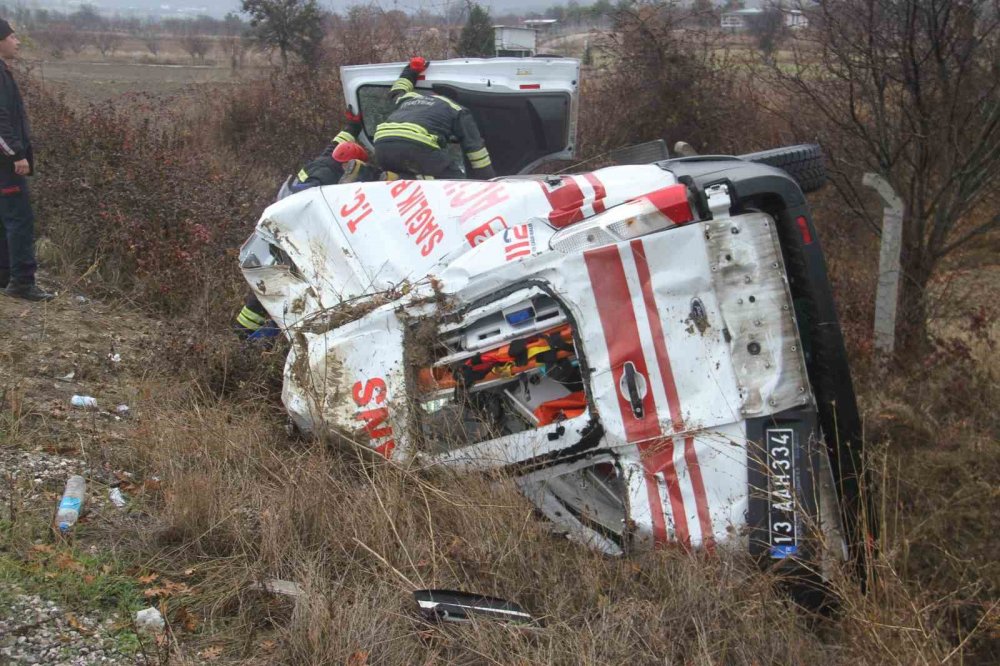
(663, 78)
(195, 45)
(371, 34)
(50, 41)
(152, 212)
(152, 41)
(108, 42)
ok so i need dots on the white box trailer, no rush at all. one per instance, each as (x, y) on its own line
(514, 42)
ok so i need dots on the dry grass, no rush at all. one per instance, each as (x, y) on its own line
(241, 502)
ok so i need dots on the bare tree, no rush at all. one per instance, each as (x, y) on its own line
(195, 44)
(107, 42)
(369, 33)
(152, 40)
(49, 40)
(656, 56)
(909, 89)
(768, 28)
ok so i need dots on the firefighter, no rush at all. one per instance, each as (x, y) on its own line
(329, 167)
(342, 161)
(415, 136)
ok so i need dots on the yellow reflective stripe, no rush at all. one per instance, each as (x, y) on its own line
(402, 84)
(343, 136)
(477, 154)
(303, 176)
(412, 127)
(253, 316)
(408, 131)
(248, 320)
(419, 177)
(480, 163)
(410, 95)
(457, 107)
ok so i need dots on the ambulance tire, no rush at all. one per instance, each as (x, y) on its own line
(803, 162)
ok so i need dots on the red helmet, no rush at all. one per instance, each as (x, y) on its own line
(348, 150)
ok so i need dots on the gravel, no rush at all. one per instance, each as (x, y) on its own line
(36, 631)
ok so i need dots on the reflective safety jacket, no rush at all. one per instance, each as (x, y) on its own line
(432, 120)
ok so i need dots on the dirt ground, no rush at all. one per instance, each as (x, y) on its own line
(49, 353)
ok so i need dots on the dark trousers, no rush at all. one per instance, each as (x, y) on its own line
(17, 231)
(415, 159)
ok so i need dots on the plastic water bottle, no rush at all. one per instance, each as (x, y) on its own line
(71, 503)
(85, 401)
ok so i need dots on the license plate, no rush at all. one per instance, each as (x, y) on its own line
(782, 523)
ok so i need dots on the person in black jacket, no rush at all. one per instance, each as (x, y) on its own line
(17, 221)
(414, 138)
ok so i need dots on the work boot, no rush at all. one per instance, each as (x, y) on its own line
(28, 292)
(4, 279)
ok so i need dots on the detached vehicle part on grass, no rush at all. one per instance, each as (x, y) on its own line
(651, 350)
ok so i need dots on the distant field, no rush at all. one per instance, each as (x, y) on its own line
(101, 81)
(90, 77)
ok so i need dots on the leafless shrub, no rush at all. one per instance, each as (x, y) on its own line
(664, 78)
(152, 40)
(108, 42)
(195, 45)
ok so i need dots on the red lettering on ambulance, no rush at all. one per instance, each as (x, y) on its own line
(416, 198)
(476, 197)
(374, 418)
(486, 230)
(434, 238)
(518, 242)
(376, 421)
(419, 221)
(399, 186)
(363, 394)
(359, 211)
(359, 199)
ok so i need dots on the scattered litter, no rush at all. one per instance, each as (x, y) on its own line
(117, 497)
(451, 606)
(115, 358)
(80, 300)
(122, 409)
(85, 401)
(276, 586)
(71, 503)
(149, 619)
(67, 377)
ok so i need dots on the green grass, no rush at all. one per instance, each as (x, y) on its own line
(94, 582)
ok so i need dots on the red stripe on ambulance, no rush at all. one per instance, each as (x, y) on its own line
(566, 200)
(621, 335)
(599, 192)
(673, 399)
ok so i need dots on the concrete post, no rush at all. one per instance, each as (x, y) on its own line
(887, 295)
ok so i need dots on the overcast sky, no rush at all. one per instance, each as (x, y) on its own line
(220, 8)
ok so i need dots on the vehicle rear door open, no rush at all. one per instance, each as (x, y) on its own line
(525, 108)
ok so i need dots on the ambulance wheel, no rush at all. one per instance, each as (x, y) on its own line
(803, 162)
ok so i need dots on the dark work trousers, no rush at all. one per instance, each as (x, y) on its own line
(17, 231)
(415, 159)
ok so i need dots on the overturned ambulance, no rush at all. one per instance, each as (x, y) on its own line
(651, 350)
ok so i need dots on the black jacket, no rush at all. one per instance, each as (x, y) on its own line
(15, 133)
(432, 120)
